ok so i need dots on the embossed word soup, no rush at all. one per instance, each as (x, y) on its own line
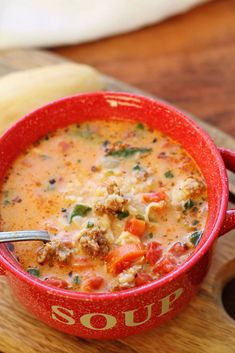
(125, 205)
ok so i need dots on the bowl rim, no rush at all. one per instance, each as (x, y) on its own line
(181, 269)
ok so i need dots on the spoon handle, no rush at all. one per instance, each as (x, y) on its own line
(24, 235)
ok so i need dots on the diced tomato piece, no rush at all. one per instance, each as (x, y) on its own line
(155, 196)
(57, 282)
(93, 283)
(123, 257)
(82, 262)
(143, 278)
(135, 226)
(166, 265)
(154, 252)
(177, 249)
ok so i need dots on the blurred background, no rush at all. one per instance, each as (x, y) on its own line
(188, 59)
(182, 51)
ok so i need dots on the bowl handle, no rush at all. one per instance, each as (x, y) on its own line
(229, 161)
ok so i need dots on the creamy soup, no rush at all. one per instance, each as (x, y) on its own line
(124, 205)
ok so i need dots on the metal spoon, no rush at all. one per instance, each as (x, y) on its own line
(24, 235)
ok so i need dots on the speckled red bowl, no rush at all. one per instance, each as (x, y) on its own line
(128, 312)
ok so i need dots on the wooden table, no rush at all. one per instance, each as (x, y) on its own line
(188, 60)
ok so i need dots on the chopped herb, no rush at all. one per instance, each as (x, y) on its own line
(6, 202)
(76, 279)
(169, 174)
(195, 222)
(137, 167)
(5, 193)
(139, 216)
(195, 237)
(33, 271)
(128, 152)
(189, 204)
(122, 214)
(44, 156)
(49, 187)
(52, 181)
(150, 235)
(140, 126)
(79, 210)
(84, 131)
(63, 209)
(90, 224)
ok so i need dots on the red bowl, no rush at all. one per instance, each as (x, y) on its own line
(114, 315)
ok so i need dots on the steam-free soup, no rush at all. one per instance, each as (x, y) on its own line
(124, 204)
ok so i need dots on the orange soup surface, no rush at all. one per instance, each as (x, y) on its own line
(124, 204)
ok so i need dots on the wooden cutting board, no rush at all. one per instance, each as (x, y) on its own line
(203, 327)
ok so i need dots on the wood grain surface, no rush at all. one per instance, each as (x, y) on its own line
(188, 60)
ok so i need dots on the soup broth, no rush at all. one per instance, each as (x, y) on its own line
(124, 205)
